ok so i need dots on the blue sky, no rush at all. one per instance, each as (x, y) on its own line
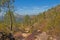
(33, 7)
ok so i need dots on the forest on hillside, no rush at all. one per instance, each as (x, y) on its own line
(47, 21)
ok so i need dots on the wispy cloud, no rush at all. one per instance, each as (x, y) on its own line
(31, 10)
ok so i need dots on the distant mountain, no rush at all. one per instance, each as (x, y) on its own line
(19, 18)
(1, 18)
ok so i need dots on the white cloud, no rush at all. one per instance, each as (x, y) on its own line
(31, 10)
